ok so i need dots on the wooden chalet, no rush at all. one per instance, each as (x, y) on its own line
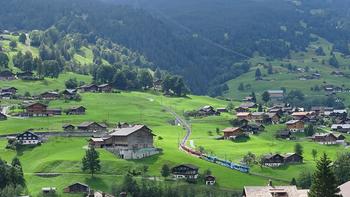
(276, 96)
(7, 75)
(343, 128)
(133, 142)
(221, 109)
(253, 128)
(11, 90)
(208, 111)
(104, 88)
(88, 88)
(77, 188)
(244, 116)
(248, 99)
(49, 95)
(92, 127)
(275, 160)
(233, 133)
(36, 109)
(295, 125)
(25, 75)
(285, 135)
(273, 118)
(185, 171)
(80, 110)
(248, 105)
(301, 115)
(292, 158)
(69, 93)
(274, 191)
(28, 138)
(241, 109)
(328, 138)
(3, 116)
(158, 84)
(272, 160)
(68, 127)
(209, 180)
(258, 117)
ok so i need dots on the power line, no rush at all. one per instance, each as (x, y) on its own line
(207, 40)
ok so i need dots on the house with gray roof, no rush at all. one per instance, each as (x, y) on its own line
(133, 142)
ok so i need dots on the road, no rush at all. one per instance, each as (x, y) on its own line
(183, 123)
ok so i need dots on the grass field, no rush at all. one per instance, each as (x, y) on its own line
(282, 78)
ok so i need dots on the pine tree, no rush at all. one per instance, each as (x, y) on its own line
(257, 74)
(298, 149)
(253, 97)
(91, 161)
(293, 182)
(324, 183)
(265, 97)
(165, 170)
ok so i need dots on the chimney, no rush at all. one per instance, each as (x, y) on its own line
(270, 183)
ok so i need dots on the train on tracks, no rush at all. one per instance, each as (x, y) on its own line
(216, 160)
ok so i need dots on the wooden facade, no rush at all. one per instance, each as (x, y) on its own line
(185, 171)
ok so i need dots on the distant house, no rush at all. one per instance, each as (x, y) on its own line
(209, 180)
(3, 116)
(36, 109)
(274, 118)
(233, 133)
(328, 138)
(273, 191)
(92, 127)
(185, 171)
(133, 142)
(77, 188)
(49, 95)
(337, 73)
(54, 112)
(69, 93)
(7, 75)
(343, 128)
(258, 117)
(273, 160)
(76, 110)
(158, 84)
(285, 134)
(221, 110)
(291, 158)
(208, 111)
(244, 116)
(48, 191)
(339, 113)
(241, 109)
(25, 75)
(101, 194)
(248, 105)
(28, 138)
(104, 88)
(68, 127)
(253, 128)
(276, 96)
(301, 115)
(11, 90)
(88, 88)
(248, 99)
(295, 125)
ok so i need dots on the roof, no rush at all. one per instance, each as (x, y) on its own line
(103, 85)
(231, 129)
(86, 124)
(275, 91)
(300, 113)
(258, 113)
(247, 105)
(189, 166)
(343, 126)
(293, 121)
(97, 139)
(67, 125)
(268, 191)
(127, 130)
(78, 183)
(77, 107)
(31, 104)
(243, 114)
(345, 189)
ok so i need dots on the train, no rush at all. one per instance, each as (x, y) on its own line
(213, 159)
